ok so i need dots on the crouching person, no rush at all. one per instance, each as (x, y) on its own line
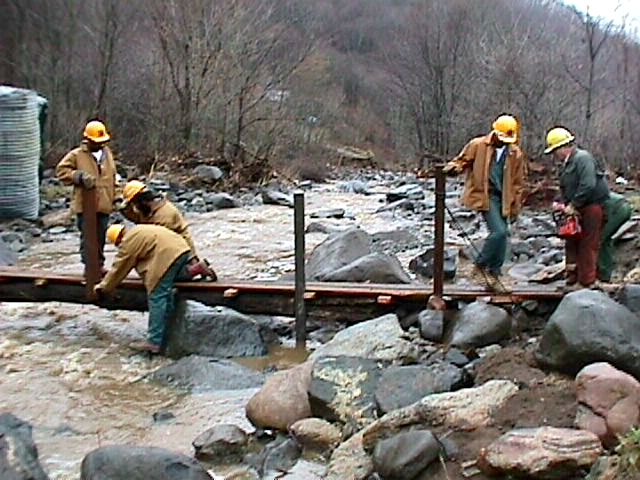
(161, 257)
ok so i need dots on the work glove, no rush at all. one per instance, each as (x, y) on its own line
(118, 204)
(452, 169)
(84, 179)
(571, 211)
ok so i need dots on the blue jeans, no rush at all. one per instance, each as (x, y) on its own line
(161, 301)
(495, 246)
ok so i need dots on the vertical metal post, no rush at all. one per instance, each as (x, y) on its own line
(437, 301)
(90, 235)
(300, 308)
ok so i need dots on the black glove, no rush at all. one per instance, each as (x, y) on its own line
(84, 179)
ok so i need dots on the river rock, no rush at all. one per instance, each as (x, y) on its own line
(8, 256)
(630, 297)
(202, 374)
(409, 191)
(316, 434)
(609, 401)
(431, 325)
(372, 268)
(274, 197)
(480, 324)
(541, 453)
(282, 400)
(404, 455)
(18, 451)
(354, 186)
(277, 457)
(58, 218)
(223, 443)
(342, 389)
(220, 200)
(380, 339)
(589, 327)
(208, 173)
(214, 332)
(332, 213)
(128, 462)
(423, 263)
(400, 386)
(304, 470)
(336, 251)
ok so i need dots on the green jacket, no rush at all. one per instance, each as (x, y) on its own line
(582, 181)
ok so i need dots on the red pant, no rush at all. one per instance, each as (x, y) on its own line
(582, 253)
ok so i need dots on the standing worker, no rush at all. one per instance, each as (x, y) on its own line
(91, 166)
(161, 258)
(494, 186)
(584, 191)
(617, 211)
(143, 205)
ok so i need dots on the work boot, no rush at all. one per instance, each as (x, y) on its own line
(478, 275)
(496, 282)
(202, 269)
(145, 346)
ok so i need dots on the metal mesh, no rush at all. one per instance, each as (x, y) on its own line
(19, 153)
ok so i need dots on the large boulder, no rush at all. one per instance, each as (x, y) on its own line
(336, 251)
(401, 386)
(201, 374)
(18, 452)
(342, 389)
(589, 327)
(609, 401)
(222, 443)
(541, 453)
(380, 339)
(423, 263)
(372, 268)
(480, 324)
(213, 332)
(127, 462)
(282, 400)
(404, 455)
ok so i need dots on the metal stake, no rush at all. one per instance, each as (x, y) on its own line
(436, 301)
(299, 302)
(90, 235)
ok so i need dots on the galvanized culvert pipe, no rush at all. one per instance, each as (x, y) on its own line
(19, 153)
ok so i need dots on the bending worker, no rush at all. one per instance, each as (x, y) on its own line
(584, 191)
(143, 205)
(161, 258)
(494, 186)
(91, 166)
(617, 211)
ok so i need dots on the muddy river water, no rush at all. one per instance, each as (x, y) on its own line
(66, 368)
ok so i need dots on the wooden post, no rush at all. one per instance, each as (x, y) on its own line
(299, 300)
(90, 235)
(436, 301)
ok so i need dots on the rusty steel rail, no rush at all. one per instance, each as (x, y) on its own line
(347, 301)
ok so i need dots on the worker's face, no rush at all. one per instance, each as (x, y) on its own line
(95, 147)
(559, 154)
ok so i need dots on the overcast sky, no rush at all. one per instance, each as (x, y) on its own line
(612, 9)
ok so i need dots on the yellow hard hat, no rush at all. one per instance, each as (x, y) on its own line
(506, 128)
(114, 233)
(132, 188)
(96, 132)
(558, 137)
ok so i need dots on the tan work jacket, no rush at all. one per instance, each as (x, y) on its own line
(81, 159)
(151, 250)
(476, 158)
(163, 213)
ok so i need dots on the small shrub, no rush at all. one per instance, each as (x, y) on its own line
(629, 452)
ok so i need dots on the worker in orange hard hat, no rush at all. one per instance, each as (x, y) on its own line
(143, 205)
(91, 166)
(495, 177)
(584, 192)
(161, 257)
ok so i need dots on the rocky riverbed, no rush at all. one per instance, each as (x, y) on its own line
(66, 369)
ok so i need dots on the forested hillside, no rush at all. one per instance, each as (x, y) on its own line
(284, 81)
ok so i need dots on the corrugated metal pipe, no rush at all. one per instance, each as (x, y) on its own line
(19, 153)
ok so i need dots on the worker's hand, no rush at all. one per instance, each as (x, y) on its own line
(571, 211)
(118, 204)
(452, 168)
(84, 179)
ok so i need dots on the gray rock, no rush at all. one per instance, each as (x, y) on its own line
(333, 213)
(404, 455)
(423, 264)
(274, 197)
(380, 339)
(220, 200)
(431, 325)
(201, 374)
(7, 255)
(127, 462)
(57, 230)
(223, 443)
(18, 452)
(589, 327)
(456, 357)
(401, 386)
(354, 186)
(394, 241)
(317, 227)
(373, 268)
(630, 297)
(208, 173)
(159, 185)
(342, 389)
(338, 250)
(163, 416)
(409, 191)
(214, 332)
(277, 457)
(480, 324)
